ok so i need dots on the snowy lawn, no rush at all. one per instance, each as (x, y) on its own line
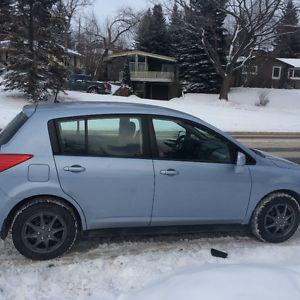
(239, 114)
(157, 269)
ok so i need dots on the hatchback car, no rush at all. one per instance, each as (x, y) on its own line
(77, 167)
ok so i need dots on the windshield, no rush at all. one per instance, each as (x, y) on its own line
(12, 128)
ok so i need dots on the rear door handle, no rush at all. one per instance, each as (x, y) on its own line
(169, 172)
(74, 169)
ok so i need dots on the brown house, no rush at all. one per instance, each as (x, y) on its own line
(267, 71)
(153, 76)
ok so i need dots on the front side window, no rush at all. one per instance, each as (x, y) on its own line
(177, 140)
(102, 136)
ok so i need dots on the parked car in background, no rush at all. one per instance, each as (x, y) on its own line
(84, 83)
(105, 166)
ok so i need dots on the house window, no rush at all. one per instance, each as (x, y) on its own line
(276, 74)
(294, 74)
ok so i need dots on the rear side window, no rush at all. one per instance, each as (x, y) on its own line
(12, 128)
(118, 136)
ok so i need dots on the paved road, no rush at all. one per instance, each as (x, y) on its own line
(286, 145)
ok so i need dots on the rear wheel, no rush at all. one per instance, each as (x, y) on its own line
(276, 218)
(44, 229)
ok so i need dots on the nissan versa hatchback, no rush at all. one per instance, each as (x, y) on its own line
(77, 167)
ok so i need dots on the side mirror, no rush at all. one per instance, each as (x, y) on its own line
(241, 159)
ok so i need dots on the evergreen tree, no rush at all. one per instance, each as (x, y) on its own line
(176, 31)
(153, 32)
(5, 17)
(287, 43)
(142, 39)
(196, 70)
(35, 64)
(126, 81)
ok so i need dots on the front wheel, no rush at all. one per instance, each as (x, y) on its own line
(276, 218)
(44, 229)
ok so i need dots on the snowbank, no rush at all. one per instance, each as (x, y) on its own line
(239, 114)
(233, 282)
(157, 269)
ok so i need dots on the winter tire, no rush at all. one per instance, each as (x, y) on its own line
(44, 229)
(276, 218)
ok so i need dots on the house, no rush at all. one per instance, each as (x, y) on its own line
(266, 71)
(153, 76)
(72, 59)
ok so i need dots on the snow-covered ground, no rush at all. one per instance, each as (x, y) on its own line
(239, 114)
(157, 269)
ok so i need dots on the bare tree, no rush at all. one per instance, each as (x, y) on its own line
(66, 12)
(251, 23)
(111, 34)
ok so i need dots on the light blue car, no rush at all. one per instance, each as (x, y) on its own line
(119, 167)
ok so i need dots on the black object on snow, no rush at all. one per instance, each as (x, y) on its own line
(218, 253)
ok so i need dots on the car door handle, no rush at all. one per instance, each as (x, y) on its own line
(169, 172)
(74, 169)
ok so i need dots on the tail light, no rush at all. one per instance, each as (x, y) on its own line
(8, 161)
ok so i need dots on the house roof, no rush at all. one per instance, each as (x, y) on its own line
(295, 62)
(142, 53)
(7, 43)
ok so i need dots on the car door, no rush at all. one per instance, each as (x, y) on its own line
(196, 179)
(102, 164)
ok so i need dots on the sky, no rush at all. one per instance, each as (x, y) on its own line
(105, 8)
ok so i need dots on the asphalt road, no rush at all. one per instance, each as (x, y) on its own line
(286, 145)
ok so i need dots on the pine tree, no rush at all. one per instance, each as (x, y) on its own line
(153, 33)
(196, 70)
(176, 31)
(142, 40)
(35, 64)
(126, 81)
(5, 18)
(287, 43)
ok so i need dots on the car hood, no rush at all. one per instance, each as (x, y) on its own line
(280, 162)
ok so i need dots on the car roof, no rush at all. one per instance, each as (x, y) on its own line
(68, 109)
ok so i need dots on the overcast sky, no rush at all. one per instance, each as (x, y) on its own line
(105, 8)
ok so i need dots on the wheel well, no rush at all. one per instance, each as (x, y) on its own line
(93, 87)
(288, 192)
(8, 221)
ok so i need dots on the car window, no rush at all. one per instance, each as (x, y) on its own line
(177, 140)
(12, 128)
(103, 136)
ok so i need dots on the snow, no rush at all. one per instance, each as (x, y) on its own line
(158, 269)
(295, 62)
(239, 114)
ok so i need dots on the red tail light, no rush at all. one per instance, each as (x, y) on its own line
(8, 161)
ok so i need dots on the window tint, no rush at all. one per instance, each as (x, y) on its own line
(177, 140)
(12, 128)
(114, 137)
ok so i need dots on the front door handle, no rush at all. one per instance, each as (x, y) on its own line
(74, 169)
(169, 172)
